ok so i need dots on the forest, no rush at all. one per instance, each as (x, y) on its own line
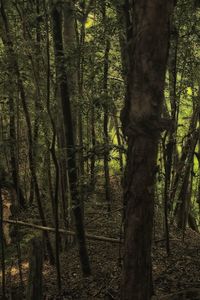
(100, 149)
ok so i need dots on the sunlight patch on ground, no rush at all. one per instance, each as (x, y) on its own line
(14, 270)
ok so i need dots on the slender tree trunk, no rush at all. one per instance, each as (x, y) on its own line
(8, 44)
(93, 140)
(106, 110)
(37, 77)
(80, 132)
(142, 124)
(185, 151)
(125, 28)
(167, 166)
(182, 206)
(55, 197)
(92, 127)
(70, 45)
(3, 267)
(14, 154)
(119, 141)
(105, 130)
(67, 117)
(64, 187)
(169, 149)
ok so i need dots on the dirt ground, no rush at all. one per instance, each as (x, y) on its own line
(175, 277)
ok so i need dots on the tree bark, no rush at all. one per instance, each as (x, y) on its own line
(34, 290)
(3, 267)
(142, 124)
(169, 146)
(185, 153)
(106, 110)
(14, 155)
(62, 82)
(55, 195)
(182, 206)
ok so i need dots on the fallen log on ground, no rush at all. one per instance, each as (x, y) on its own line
(63, 231)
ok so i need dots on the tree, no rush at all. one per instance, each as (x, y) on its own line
(6, 37)
(62, 81)
(142, 124)
(65, 68)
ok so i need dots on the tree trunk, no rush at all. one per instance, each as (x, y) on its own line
(119, 141)
(125, 34)
(185, 153)
(182, 206)
(55, 196)
(169, 147)
(3, 267)
(93, 140)
(62, 82)
(106, 110)
(34, 290)
(37, 99)
(142, 124)
(16, 71)
(14, 155)
(70, 46)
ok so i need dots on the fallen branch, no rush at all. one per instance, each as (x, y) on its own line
(63, 231)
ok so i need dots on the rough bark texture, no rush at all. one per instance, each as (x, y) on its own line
(142, 124)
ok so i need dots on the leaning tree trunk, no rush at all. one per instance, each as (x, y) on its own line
(142, 124)
(185, 153)
(182, 206)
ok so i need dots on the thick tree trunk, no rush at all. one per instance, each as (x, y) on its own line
(142, 124)
(139, 202)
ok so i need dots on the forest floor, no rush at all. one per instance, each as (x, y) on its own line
(172, 274)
